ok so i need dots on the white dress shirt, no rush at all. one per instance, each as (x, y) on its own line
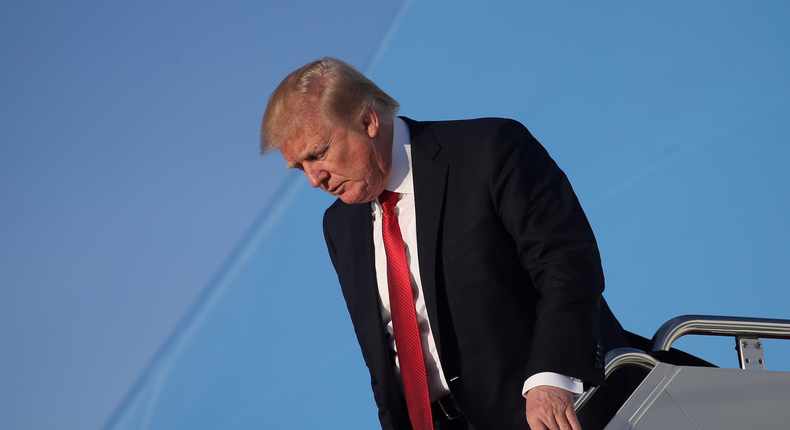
(401, 181)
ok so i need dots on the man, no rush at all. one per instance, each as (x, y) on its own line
(459, 246)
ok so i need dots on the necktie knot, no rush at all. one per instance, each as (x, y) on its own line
(388, 200)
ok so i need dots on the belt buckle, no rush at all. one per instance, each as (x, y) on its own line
(449, 407)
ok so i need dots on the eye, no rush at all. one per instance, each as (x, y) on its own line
(318, 156)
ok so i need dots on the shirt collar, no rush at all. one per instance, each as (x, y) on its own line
(400, 179)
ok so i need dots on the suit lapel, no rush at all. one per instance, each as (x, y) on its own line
(430, 179)
(364, 303)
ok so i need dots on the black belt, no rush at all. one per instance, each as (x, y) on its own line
(446, 406)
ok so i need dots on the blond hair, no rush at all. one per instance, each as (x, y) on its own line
(341, 94)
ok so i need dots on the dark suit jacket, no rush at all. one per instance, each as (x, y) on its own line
(510, 269)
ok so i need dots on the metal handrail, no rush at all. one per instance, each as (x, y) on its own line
(711, 325)
(616, 359)
(680, 326)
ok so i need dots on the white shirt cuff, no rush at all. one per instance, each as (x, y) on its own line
(573, 385)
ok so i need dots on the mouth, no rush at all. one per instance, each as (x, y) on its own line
(334, 191)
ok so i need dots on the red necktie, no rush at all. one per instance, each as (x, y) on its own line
(404, 318)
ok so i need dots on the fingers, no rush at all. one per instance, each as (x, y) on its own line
(551, 408)
(570, 415)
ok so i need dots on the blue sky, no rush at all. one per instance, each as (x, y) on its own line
(140, 229)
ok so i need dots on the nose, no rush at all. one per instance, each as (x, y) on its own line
(316, 175)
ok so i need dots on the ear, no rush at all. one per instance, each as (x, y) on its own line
(371, 122)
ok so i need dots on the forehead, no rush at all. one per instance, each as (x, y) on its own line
(309, 133)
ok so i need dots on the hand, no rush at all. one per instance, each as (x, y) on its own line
(551, 408)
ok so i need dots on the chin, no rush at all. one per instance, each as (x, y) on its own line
(353, 201)
(355, 198)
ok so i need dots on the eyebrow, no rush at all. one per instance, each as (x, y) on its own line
(314, 149)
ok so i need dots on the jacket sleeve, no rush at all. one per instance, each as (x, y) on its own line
(556, 246)
(383, 412)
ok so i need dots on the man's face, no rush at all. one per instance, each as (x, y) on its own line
(350, 163)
